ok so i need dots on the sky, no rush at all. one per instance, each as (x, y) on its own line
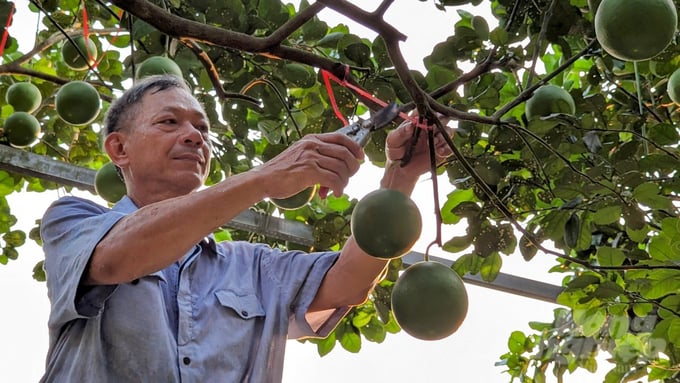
(467, 356)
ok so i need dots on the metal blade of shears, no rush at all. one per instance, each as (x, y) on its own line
(361, 131)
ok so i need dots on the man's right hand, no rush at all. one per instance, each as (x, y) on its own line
(328, 159)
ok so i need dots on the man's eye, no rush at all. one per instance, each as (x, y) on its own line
(168, 121)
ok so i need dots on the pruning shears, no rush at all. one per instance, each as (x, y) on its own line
(361, 130)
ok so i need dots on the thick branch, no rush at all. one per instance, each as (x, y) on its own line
(295, 23)
(14, 68)
(372, 20)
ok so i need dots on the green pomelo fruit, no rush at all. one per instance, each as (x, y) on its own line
(21, 129)
(24, 97)
(673, 87)
(295, 201)
(429, 301)
(108, 184)
(635, 30)
(549, 99)
(77, 103)
(73, 59)
(386, 223)
(158, 65)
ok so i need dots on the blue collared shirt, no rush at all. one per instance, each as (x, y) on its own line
(221, 314)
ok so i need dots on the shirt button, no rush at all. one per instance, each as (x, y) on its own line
(244, 313)
(186, 360)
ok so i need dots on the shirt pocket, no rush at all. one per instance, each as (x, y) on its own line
(247, 306)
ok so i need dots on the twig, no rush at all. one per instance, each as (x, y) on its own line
(212, 72)
(526, 94)
(541, 36)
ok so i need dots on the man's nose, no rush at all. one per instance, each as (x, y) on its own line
(191, 135)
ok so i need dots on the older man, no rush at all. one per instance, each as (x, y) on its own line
(142, 292)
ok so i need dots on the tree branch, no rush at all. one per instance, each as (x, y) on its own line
(212, 72)
(541, 36)
(373, 20)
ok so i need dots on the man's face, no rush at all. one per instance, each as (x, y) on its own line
(167, 145)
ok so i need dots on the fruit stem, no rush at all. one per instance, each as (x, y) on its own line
(639, 96)
(426, 256)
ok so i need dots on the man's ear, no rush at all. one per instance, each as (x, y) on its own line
(114, 144)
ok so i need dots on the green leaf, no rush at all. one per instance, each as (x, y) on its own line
(39, 271)
(299, 75)
(669, 283)
(350, 340)
(354, 49)
(607, 256)
(361, 318)
(491, 267)
(618, 325)
(374, 330)
(15, 238)
(674, 330)
(527, 249)
(614, 375)
(607, 215)
(453, 200)
(608, 290)
(582, 281)
(10, 253)
(222, 235)
(540, 326)
(6, 183)
(642, 309)
(457, 244)
(468, 263)
(554, 223)
(591, 320)
(314, 29)
(330, 40)
(481, 27)
(648, 194)
(392, 326)
(638, 235)
(634, 217)
(663, 134)
(499, 36)
(326, 345)
(516, 342)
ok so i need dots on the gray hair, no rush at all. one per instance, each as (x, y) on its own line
(119, 111)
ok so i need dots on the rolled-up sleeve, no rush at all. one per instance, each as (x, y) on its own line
(300, 275)
(70, 229)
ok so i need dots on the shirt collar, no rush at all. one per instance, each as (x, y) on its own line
(125, 205)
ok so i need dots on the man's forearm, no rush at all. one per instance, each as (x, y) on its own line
(159, 234)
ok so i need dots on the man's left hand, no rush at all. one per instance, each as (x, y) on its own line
(398, 144)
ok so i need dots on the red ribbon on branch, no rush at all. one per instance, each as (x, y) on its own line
(327, 76)
(5, 33)
(86, 38)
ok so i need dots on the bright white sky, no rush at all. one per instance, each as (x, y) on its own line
(468, 355)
